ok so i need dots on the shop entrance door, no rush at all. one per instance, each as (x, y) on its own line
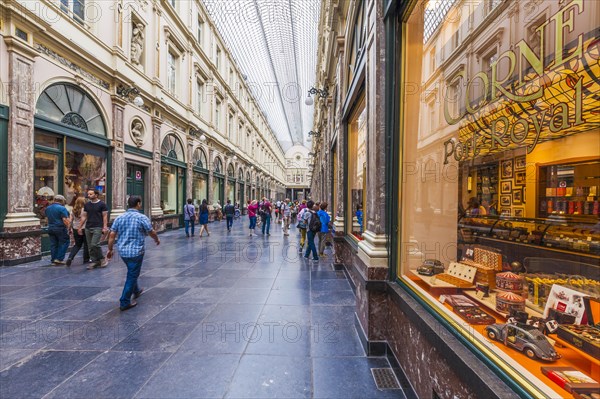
(136, 176)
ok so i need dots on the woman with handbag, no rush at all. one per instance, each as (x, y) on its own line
(189, 217)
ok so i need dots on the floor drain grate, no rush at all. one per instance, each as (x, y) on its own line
(385, 379)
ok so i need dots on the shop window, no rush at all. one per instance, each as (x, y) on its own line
(46, 182)
(498, 206)
(199, 159)
(85, 169)
(171, 189)
(172, 148)
(218, 166)
(69, 105)
(357, 166)
(199, 188)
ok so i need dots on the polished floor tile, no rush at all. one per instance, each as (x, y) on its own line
(229, 316)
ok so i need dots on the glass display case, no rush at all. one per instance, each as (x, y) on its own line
(573, 235)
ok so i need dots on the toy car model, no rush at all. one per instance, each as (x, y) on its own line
(524, 338)
(431, 267)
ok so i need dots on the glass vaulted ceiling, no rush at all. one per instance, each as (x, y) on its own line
(274, 43)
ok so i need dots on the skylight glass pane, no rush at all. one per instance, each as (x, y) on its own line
(274, 44)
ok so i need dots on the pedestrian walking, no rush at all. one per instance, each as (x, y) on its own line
(203, 218)
(189, 217)
(266, 216)
(129, 230)
(310, 217)
(301, 223)
(325, 233)
(286, 211)
(229, 211)
(95, 219)
(252, 209)
(80, 240)
(58, 229)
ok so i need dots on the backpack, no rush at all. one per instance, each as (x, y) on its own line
(314, 224)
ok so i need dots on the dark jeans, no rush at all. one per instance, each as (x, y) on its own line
(229, 221)
(252, 222)
(59, 242)
(310, 238)
(266, 224)
(79, 241)
(134, 266)
(188, 224)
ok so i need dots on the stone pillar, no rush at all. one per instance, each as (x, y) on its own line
(339, 217)
(119, 170)
(210, 175)
(19, 243)
(155, 168)
(190, 169)
(372, 249)
(225, 183)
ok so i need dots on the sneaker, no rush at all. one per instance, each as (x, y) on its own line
(316, 259)
(59, 262)
(103, 263)
(132, 304)
(93, 265)
(187, 235)
(69, 261)
(139, 293)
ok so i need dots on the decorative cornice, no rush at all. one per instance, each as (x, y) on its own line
(63, 61)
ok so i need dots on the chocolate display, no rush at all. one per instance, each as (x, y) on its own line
(473, 315)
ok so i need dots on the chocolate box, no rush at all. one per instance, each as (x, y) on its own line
(583, 337)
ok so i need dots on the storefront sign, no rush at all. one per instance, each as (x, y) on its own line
(558, 98)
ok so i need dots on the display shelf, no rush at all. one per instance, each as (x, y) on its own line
(490, 303)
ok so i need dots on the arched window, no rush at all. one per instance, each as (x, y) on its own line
(199, 159)
(241, 175)
(68, 104)
(172, 148)
(218, 165)
(231, 171)
(248, 178)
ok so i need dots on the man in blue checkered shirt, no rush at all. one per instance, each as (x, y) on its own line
(130, 231)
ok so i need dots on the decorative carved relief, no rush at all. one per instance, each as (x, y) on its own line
(137, 132)
(137, 43)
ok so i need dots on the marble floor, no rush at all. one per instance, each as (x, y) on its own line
(225, 316)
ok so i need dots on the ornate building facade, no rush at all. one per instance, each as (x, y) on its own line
(135, 97)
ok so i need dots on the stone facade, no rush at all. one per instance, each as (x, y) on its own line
(37, 52)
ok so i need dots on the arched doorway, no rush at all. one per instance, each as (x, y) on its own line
(218, 181)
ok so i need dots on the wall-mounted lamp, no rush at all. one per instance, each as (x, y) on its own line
(197, 133)
(131, 94)
(232, 155)
(316, 134)
(323, 93)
